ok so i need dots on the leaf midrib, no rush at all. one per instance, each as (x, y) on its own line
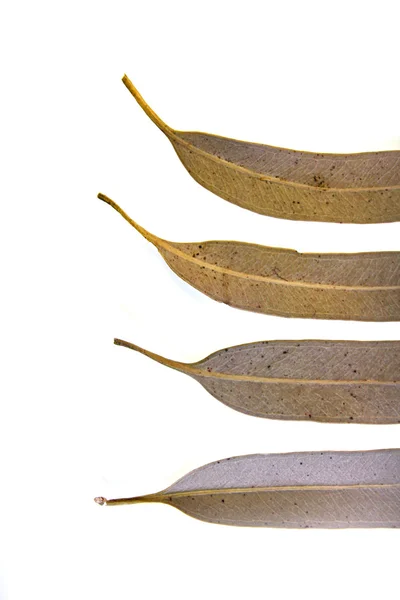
(163, 496)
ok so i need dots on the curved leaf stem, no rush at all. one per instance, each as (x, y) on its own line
(174, 364)
(143, 104)
(146, 234)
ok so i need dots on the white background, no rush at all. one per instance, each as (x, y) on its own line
(82, 417)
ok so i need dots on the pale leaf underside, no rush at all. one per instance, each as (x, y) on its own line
(347, 188)
(361, 287)
(301, 490)
(314, 380)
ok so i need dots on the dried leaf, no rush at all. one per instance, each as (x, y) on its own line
(344, 188)
(361, 287)
(307, 489)
(329, 381)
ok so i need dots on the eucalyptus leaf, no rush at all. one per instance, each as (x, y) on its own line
(313, 380)
(361, 287)
(346, 188)
(305, 489)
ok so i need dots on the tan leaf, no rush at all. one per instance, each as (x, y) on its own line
(306, 489)
(331, 381)
(361, 287)
(344, 188)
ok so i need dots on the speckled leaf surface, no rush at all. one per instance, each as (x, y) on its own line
(361, 287)
(297, 490)
(347, 188)
(328, 381)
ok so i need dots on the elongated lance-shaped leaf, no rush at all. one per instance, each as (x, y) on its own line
(362, 287)
(306, 489)
(346, 188)
(328, 381)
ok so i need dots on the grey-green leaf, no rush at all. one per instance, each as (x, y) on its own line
(361, 287)
(297, 490)
(313, 380)
(347, 188)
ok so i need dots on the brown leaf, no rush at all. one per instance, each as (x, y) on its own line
(344, 188)
(306, 489)
(361, 287)
(329, 381)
